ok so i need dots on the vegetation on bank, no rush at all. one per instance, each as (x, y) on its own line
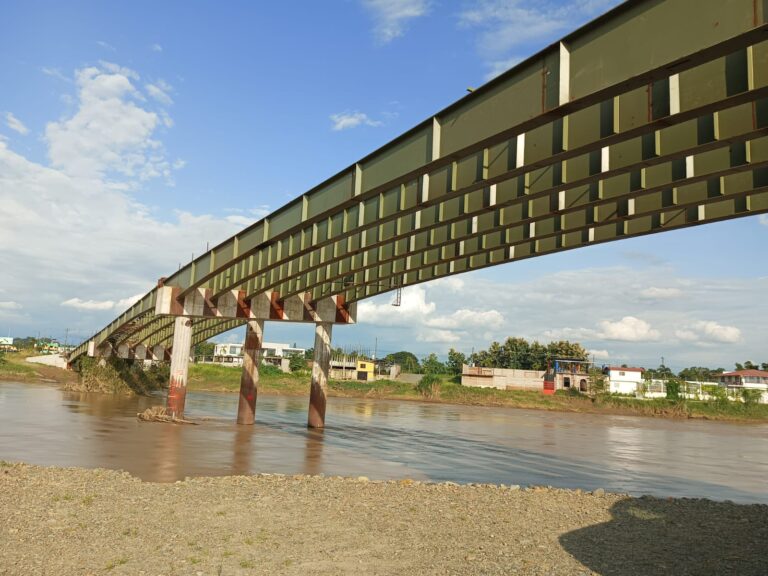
(117, 376)
(14, 366)
(441, 388)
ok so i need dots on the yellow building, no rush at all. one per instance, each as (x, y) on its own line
(365, 370)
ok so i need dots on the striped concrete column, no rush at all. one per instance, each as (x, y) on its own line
(177, 389)
(249, 378)
(320, 367)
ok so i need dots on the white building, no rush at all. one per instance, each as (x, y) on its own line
(233, 352)
(623, 380)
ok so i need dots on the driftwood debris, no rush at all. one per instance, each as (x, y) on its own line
(160, 414)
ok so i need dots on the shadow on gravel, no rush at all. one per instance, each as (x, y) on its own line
(651, 537)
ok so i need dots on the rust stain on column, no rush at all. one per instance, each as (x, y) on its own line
(177, 389)
(249, 379)
(322, 362)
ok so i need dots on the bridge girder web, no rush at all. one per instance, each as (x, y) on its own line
(553, 155)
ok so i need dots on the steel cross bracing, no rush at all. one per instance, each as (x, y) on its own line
(596, 138)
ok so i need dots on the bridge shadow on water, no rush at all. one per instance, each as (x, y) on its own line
(652, 537)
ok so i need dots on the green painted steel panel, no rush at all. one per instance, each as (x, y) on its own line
(538, 144)
(330, 196)
(409, 154)
(678, 138)
(582, 127)
(650, 34)
(513, 100)
(633, 109)
(501, 158)
(469, 170)
(734, 121)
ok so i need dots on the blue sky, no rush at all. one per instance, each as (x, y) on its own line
(132, 134)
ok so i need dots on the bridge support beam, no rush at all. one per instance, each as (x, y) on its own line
(249, 379)
(320, 367)
(177, 389)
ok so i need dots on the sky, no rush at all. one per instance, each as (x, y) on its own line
(135, 134)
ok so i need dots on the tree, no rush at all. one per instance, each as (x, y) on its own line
(566, 349)
(297, 362)
(432, 365)
(596, 381)
(407, 361)
(204, 349)
(456, 360)
(538, 356)
(519, 352)
(309, 353)
(700, 374)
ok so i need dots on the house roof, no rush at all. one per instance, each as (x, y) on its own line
(759, 373)
(623, 369)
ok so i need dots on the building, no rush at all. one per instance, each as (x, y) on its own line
(571, 374)
(745, 379)
(623, 379)
(365, 369)
(229, 352)
(6, 344)
(502, 378)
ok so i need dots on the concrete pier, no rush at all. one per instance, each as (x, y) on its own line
(182, 342)
(322, 362)
(249, 379)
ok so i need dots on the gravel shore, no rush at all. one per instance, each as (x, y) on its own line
(77, 521)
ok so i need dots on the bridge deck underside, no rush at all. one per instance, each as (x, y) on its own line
(553, 155)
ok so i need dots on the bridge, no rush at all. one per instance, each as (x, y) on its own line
(653, 117)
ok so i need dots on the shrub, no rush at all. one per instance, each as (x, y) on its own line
(269, 370)
(297, 363)
(751, 397)
(673, 390)
(429, 386)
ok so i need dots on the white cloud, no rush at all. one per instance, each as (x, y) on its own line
(156, 48)
(110, 133)
(421, 317)
(10, 305)
(510, 25)
(709, 331)
(763, 219)
(89, 304)
(599, 354)
(119, 306)
(629, 329)
(160, 92)
(15, 124)
(392, 16)
(56, 73)
(346, 120)
(76, 221)
(438, 336)
(106, 45)
(656, 293)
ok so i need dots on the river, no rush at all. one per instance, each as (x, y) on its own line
(384, 439)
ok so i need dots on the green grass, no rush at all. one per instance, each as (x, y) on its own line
(15, 365)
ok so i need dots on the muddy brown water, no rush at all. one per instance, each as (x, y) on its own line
(384, 439)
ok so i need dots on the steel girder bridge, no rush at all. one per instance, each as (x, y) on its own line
(653, 117)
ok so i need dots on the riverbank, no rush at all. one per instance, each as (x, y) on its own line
(77, 521)
(217, 378)
(15, 367)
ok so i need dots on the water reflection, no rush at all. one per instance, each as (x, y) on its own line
(385, 439)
